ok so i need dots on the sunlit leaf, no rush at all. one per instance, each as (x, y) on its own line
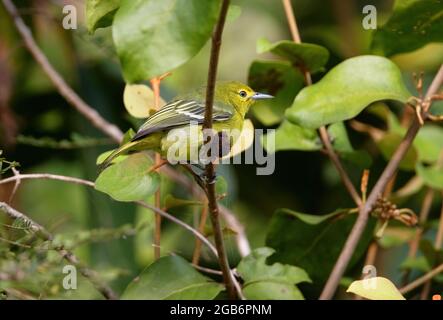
(413, 24)
(276, 281)
(377, 288)
(171, 278)
(153, 37)
(346, 90)
(139, 100)
(130, 179)
(310, 57)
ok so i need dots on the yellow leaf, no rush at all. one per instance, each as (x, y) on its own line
(377, 288)
(139, 100)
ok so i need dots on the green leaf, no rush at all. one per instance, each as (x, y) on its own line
(99, 13)
(416, 263)
(342, 145)
(432, 176)
(313, 242)
(346, 90)
(171, 278)
(377, 288)
(429, 143)
(139, 100)
(130, 179)
(413, 24)
(274, 281)
(289, 136)
(153, 37)
(389, 143)
(279, 79)
(311, 57)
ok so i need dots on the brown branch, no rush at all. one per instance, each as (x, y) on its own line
(109, 129)
(428, 276)
(91, 275)
(92, 115)
(362, 219)
(210, 169)
(323, 133)
(91, 184)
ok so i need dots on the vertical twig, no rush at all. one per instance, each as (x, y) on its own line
(155, 82)
(362, 219)
(323, 133)
(201, 229)
(210, 170)
(437, 245)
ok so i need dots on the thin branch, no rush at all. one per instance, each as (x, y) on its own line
(201, 228)
(92, 115)
(209, 169)
(99, 122)
(428, 276)
(323, 133)
(437, 245)
(91, 184)
(91, 275)
(362, 219)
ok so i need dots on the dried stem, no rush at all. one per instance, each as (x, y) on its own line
(362, 219)
(323, 133)
(91, 275)
(210, 170)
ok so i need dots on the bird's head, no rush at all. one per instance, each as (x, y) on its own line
(238, 94)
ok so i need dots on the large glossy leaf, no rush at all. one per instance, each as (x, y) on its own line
(99, 13)
(346, 90)
(290, 136)
(153, 37)
(432, 176)
(311, 57)
(377, 288)
(313, 242)
(389, 143)
(172, 278)
(413, 24)
(276, 281)
(130, 179)
(279, 79)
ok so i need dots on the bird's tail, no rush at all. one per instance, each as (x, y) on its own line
(117, 152)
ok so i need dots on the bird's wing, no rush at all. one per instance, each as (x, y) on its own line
(181, 112)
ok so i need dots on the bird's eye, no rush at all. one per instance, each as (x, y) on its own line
(243, 93)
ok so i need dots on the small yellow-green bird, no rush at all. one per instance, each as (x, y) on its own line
(232, 100)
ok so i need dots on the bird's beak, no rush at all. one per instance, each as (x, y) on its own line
(259, 96)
